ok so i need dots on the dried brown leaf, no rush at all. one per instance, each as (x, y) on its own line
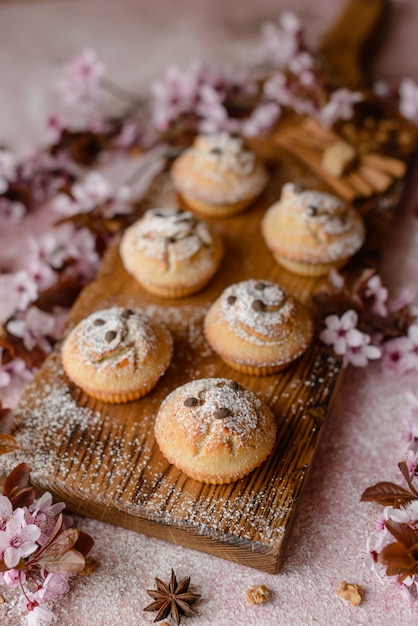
(6, 420)
(402, 533)
(69, 562)
(17, 488)
(387, 494)
(399, 559)
(84, 543)
(8, 444)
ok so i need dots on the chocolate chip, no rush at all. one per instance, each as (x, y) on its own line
(171, 240)
(216, 151)
(234, 385)
(259, 286)
(258, 305)
(222, 413)
(312, 210)
(98, 322)
(231, 299)
(126, 313)
(191, 401)
(110, 335)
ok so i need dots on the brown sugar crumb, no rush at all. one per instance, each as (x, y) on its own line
(89, 568)
(258, 594)
(2, 600)
(351, 592)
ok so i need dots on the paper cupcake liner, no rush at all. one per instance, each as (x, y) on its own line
(257, 370)
(174, 292)
(308, 269)
(218, 210)
(118, 398)
(225, 480)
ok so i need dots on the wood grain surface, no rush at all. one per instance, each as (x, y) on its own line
(103, 461)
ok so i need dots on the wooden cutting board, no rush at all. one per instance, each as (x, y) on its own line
(103, 461)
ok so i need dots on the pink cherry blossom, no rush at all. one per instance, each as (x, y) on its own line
(33, 327)
(304, 67)
(6, 511)
(85, 256)
(44, 514)
(18, 539)
(413, 339)
(342, 333)
(288, 93)
(80, 84)
(53, 585)
(38, 614)
(14, 376)
(378, 294)
(408, 99)
(17, 291)
(360, 355)
(176, 93)
(55, 124)
(215, 118)
(348, 341)
(380, 533)
(339, 106)
(91, 193)
(11, 212)
(261, 120)
(409, 417)
(407, 514)
(405, 298)
(397, 358)
(7, 169)
(93, 190)
(14, 578)
(282, 41)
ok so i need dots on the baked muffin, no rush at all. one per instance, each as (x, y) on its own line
(310, 232)
(219, 175)
(171, 252)
(215, 430)
(257, 328)
(117, 355)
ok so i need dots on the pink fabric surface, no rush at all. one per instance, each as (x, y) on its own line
(360, 443)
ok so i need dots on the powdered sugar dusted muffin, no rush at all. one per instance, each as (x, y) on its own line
(310, 232)
(215, 430)
(257, 328)
(171, 252)
(219, 175)
(117, 355)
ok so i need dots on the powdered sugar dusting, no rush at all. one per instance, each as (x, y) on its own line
(224, 151)
(168, 232)
(313, 226)
(110, 335)
(240, 408)
(254, 309)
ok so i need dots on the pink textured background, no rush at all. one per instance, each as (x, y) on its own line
(360, 443)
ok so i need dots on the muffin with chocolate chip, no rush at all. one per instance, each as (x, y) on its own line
(117, 354)
(215, 430)
(257, 328)
(171, 252)
(219, 175)
(311, 232)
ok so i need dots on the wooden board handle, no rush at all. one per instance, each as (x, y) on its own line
(344, 44)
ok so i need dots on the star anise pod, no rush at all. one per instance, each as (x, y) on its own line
(172, 600)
